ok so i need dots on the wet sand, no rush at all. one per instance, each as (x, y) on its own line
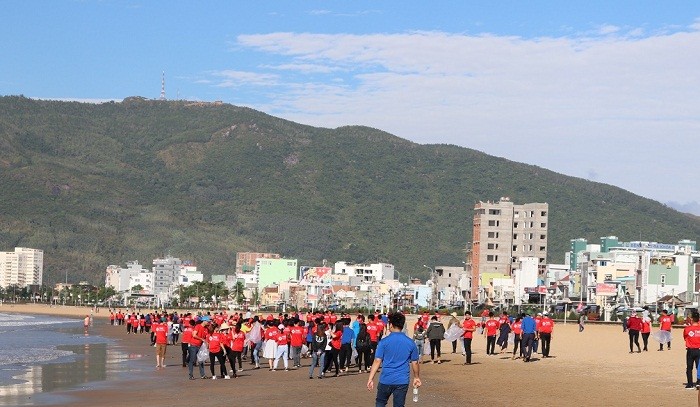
(592, 368)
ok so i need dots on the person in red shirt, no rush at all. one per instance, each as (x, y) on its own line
(373, 332)
(469, 326)
(665, 323)
(270, 348)
(517, 328)
(199, 333)
(634, 325)
(334, 352)
(691, 335)
(646, 331)
(185, 344)
(160, 329)
(282, 340)
(546, 328)
(297, 335)
(490, 330)
(216, 340)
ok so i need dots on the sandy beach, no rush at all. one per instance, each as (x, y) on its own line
(592, 368)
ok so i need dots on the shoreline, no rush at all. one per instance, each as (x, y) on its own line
(590, 368)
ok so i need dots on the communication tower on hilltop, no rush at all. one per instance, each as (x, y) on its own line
(162, 88)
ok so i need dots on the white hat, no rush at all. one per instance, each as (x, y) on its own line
(539, 314)
(545, 313)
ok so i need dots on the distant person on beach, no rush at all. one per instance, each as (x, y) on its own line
(435, 333)
(86, 323)
(665, 323)
(490, 331)
(161, 338)
(691, 335)
(581, 322)
(546, 328)
(469, 326)
(453, 321)
(397, 354)
(199, 333)
(529, 332)
(646, 331)
(517, 327)
(634, 326)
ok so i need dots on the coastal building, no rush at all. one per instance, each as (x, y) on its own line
(367, 273)
(503, 233)
(125, 279)
(166, 273)
(22, 267)
(274, 271)
(246, 261)
(448, 288)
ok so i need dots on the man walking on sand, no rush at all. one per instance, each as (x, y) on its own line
(397, 354)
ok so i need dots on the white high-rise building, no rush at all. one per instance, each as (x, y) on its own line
(125, 279)
(166, 273)
(23, 267)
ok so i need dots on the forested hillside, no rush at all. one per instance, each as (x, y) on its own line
(94, 185)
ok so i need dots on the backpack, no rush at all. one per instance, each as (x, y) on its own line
(362, 342)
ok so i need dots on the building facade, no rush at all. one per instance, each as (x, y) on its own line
(270, 271)
(246, 261)
(23, 267)
(367, 273)
(502, 233)
(166, 274)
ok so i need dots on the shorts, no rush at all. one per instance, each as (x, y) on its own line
(160, 349)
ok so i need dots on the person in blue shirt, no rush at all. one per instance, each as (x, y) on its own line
(346, 345)
(397, 355)
(529, 328)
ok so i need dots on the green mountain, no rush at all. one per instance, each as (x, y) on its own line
(94, 185)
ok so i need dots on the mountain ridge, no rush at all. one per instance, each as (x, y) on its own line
(103, 184)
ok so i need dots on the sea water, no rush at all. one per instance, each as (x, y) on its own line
(40, 354)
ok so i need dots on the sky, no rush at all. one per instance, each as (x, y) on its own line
(602, 90)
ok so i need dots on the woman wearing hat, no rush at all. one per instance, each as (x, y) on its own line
(454, 321)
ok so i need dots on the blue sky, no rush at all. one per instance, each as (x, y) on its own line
(602, 90)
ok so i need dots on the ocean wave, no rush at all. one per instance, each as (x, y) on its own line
(31, 356)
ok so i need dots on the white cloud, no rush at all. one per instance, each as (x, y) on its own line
(617, 103)
(231, 78)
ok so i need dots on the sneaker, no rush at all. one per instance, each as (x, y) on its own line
(240, 369)
(192, 378)
(311, 377)
(227, 377)
(213, 377)
(690, 386)
(203, 377)
(286, 370)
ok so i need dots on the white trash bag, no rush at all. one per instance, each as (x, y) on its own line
(662, 336)
(203, 353)
(453, 333)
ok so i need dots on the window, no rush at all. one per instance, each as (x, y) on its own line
(541, 260)
(516, 214)
(608, 277)
(493, 235)
(532, 214)
(449, 274)
(515, 225)
(543, 248)
(492, 246)
(494, 211)
(532, 224)
(489, 257)
(542, 237)
(494, 223)
(543, 213)
(529, 247)
(543, 225)
(515, 236)
(515, 247)
(530, 235)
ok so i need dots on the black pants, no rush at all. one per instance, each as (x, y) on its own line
(222, 362)
(491, 345)
(526, 345)
(454, 346)
(232, 355)
(331, 357)
(661, 346)
(435, 346)
(345, 355)
(516, 344)
(634, 338)
(468, 349)
(645, 339)
(185, 354)
(363, 354)
(373, 349)
(546, 340)
(692, 357)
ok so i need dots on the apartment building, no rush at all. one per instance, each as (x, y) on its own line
(246, 261)
(23, 267)
(503, 232)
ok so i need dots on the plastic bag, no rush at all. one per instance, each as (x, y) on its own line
(354, 354)
(662, 336)
(511, 338)
(203, 354)
(453, 333)
(304, 349)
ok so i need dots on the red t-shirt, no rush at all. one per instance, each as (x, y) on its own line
(547, 325)
(237, 341)
(491, 327)
(646, 327)
(517, 327)
(333, 318)
(281, 339)
(297, 336)
(469, 325)
(634, 323)
(187, 334)
(271, 333)
(373, 331)
(691, 334)
(665, 321)
(201, 332)
(335, 342)
(215, 340)
(161, 331)
(380, 326)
